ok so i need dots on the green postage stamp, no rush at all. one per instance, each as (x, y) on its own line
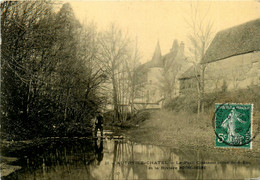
(233, 125)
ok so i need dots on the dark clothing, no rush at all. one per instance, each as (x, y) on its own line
(99, 125)
(99, 121)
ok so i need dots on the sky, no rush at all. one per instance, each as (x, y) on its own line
(163, 21)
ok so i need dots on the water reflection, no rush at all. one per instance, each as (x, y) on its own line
(99, 151)
(122, 159)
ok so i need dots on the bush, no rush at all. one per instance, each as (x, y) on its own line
(249, 95)
(73, 129)
(108, 117)
(142, 115)
(179, 104)
(189, 103)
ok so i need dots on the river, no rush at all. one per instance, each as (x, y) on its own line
(115, 157)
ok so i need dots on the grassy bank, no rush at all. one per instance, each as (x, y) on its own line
(132, 120)
(181, 129)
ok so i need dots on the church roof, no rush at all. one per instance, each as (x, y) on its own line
(241, 39)
(156, 60)
(157, 55)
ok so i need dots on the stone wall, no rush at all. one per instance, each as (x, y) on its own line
(237, 72)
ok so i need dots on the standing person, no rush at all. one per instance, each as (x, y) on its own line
(99, 124)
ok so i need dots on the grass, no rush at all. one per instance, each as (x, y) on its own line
(180, 129)
(168, 127)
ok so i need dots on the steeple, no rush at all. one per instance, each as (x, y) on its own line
(157, 55)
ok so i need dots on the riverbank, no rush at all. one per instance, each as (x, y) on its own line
(5, 166)
(160, 127)
(10, 148)
(183, 130)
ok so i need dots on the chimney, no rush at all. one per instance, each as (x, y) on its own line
(175, 45)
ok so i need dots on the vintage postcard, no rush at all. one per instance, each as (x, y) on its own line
(104, 90)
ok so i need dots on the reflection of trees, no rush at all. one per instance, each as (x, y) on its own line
(78, 159)
(214, 171)
(123, 162)
(191, 156)
(114, 158)
(58, 159)
(199, 172)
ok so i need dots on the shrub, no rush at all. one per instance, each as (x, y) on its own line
(189, 103)
(179, 104)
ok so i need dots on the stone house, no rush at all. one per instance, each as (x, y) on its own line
(232, 61)
(159, 76)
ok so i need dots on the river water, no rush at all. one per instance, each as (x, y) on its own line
(115, 157)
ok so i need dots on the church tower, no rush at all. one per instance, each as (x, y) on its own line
(157, 55)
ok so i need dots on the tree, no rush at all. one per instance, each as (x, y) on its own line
(23, 25)
(200, 37)
(113, 50)
(95, 75)
(47, 79)
(131, 67)
(118, 60)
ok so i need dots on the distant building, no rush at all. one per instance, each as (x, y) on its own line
(175, 63)
(159, 77)
(232, 61)
(189, 81)
(149, 75)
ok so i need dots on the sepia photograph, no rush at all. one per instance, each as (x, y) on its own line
(130, 89)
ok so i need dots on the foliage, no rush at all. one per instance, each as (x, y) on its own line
(249, 95)
(142, 115)
(180, 104)
(47, 75)
(189, 103)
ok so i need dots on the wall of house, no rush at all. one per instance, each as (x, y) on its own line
(188, 86)
(237, 72)
(152, 88)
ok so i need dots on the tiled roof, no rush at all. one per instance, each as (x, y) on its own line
(241, 39)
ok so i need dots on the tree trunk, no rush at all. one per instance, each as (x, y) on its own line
(115, 102)
(199, 97)
(28, 97)
(202, 88)
(66, 105)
